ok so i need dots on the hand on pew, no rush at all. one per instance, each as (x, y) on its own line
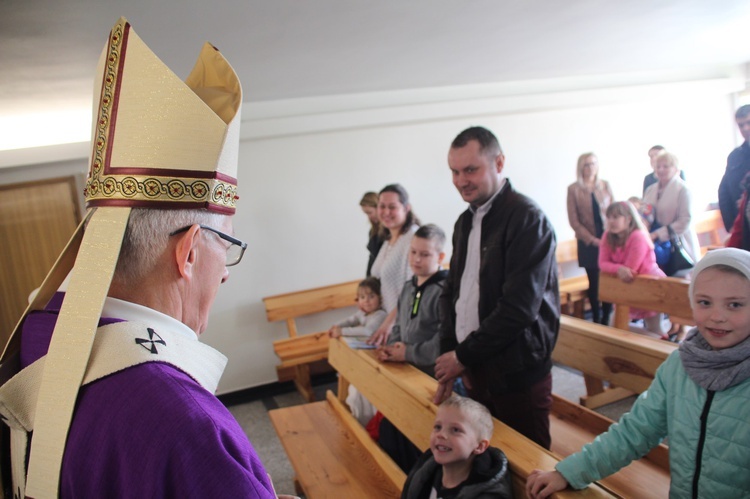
(334, 332)
(380, 337)
(393, 353)
(448, 368)
(541, 484)
(444, 390)
(625, 273)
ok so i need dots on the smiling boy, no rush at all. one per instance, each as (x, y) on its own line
(460, 462)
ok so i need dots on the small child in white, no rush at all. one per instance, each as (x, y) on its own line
(370, 315)
(460, 463)
(699, 399)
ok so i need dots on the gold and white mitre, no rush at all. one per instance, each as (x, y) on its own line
(159, 142)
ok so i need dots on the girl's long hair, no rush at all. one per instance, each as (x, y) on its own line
(627, 210)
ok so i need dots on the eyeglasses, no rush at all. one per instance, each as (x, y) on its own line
(234, 251)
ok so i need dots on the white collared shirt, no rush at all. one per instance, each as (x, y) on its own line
(128, 311)
(467, 305)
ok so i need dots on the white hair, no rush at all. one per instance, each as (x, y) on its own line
(147, 236)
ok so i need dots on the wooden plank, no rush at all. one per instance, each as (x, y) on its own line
(572, 424)
(567, 251)
(604, 397)
(666, 294)
(404, 395)
(330, 457)
(623, 358)
(299, 303)
(711, 225)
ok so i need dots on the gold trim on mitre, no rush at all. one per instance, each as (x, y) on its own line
(160, 142)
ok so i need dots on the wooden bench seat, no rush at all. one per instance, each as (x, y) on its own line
(332, 455)
(300, 354)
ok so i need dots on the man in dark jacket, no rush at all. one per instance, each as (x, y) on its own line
(501, 304)
(738, 165)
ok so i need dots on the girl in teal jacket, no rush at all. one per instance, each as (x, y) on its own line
(699, 399)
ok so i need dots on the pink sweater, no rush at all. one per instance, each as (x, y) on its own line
(637, 255)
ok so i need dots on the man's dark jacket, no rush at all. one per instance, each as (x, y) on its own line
(730, 189)
(519, 301)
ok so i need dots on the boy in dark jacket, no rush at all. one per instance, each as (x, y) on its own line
(460, 462)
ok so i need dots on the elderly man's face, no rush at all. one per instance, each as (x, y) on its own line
(210, 272)
(744, 126)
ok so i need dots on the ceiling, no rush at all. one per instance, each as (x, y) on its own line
(295, 48)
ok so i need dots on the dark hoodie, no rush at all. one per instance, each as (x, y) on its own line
(489, 478)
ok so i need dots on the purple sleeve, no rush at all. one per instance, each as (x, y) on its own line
(151, 431)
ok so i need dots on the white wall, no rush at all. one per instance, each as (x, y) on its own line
(301, 177)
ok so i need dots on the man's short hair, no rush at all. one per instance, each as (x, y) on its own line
(432, 233)
(742, 111)
(478, 415)
(657, 147)
(147, 235)
(488, 143)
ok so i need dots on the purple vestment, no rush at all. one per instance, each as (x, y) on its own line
(150, 431)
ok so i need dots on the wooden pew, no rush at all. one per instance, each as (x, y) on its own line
(710, 230)
(404, 395)
(573, 290)
(668, 295)
(332, 454)
(625, 359)
(301, 353)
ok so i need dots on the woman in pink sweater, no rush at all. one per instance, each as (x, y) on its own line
(627, 251)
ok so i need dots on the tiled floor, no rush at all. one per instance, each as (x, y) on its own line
(253, 417)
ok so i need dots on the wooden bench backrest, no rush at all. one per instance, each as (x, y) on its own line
(711, 224)
(625, 359)
(668, 295)
(289, 306)
(404, 395)
(567, 251)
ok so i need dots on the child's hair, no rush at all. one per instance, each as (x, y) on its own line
(478, 415)
(624, 209)
(730, 260)
(634, 199)
(403, 198)
(432, 233)
(371, 283)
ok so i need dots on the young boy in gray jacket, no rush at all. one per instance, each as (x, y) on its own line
(415, 335)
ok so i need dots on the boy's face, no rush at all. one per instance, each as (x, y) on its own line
(424, 258)
(454, 438)
(722, 307)
(367, 301)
